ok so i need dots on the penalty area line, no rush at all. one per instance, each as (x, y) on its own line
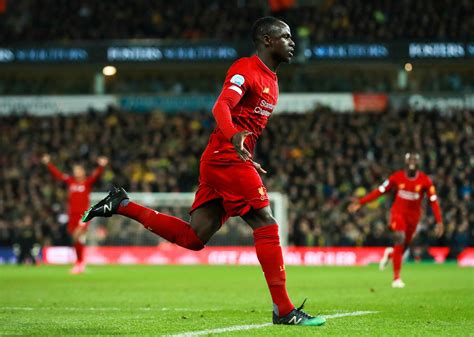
(259, 326)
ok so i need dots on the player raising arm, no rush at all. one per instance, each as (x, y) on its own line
(79, 189)
(229, 184)
(409, 186)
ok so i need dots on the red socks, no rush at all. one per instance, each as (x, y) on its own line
(79, 247)
(168, 227)
(397, 260)
(269, 253)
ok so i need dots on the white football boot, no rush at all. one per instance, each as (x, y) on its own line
(398, 283)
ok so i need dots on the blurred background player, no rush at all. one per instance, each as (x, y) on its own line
(26, 244)
(79, 189)
(409, 185)
(229, 182)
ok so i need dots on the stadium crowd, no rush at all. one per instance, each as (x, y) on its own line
(319, 159)
(323, 20)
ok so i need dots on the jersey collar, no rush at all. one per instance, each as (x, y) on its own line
(414, 178)
(264, 66)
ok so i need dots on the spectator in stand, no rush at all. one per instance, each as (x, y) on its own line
(200, 20)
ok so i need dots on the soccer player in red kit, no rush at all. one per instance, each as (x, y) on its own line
(229, 182)
(79, 189)
(409, 185)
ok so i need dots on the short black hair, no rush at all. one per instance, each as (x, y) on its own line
(264, 26)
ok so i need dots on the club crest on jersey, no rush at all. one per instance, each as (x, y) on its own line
(401, 186)
(266, 90)
(418, 188)
(237, 80)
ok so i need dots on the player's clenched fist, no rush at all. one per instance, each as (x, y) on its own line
(46, 159)
(102, 161)
(354, 206)
(238, 141)
(439, 229)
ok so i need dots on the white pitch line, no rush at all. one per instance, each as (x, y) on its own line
(259, 326)
(354, 313)
(221, 330)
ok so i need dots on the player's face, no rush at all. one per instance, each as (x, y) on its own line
(79, 172)
(282, 45)
(412, 162)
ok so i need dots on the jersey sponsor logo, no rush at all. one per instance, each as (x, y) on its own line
(262, 112)
(238, 80)
(264, 108)
(407, 195)
(267, 105)
(77, 188)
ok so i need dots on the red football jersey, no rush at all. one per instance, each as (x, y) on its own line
(257, 86)
(409, 193)
(78, 191)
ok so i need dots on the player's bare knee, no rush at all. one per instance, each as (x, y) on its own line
(268, 219)
(204, 227)
(259, 218)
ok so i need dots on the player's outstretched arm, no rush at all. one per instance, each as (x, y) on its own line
(434, 203)
(55, 172)
(386, 186)
(102, 162)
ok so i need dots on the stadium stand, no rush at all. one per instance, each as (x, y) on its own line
(328, 20)
(322, 167)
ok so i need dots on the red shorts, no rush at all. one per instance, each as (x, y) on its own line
(75, 222)
(404, 223)
(239, 186)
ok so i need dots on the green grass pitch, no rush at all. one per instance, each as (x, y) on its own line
(170, 300)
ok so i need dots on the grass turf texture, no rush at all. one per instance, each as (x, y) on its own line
(163, 300)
